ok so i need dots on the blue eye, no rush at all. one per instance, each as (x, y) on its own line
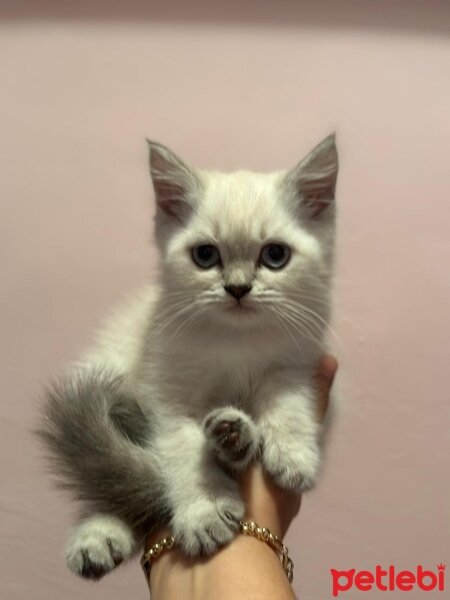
(275, 256)
(206, 256)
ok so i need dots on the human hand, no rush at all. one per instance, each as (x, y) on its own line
(267, 504)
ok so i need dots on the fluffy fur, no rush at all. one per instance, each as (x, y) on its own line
(189, 382)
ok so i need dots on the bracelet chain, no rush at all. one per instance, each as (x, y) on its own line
(265, 535)
(247, 528)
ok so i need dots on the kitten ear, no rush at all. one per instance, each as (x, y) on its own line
(176, 185)
(314, 178)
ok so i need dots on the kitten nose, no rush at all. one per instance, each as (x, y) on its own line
(237, 290)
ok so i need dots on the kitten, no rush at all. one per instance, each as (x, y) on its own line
(205, 371)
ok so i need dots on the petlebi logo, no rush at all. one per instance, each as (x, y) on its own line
(388, 580)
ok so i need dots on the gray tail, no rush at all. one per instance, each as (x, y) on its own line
(99, 444)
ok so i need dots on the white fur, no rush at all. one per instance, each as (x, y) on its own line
(96, 536)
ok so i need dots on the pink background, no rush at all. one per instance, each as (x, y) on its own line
(227, 87)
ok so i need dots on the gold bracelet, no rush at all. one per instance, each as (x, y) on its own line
(265, 535)
(155, 552)
(247, 528)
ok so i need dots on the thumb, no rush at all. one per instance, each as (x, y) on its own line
(324, 380)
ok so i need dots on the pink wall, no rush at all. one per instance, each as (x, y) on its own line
(226, 89)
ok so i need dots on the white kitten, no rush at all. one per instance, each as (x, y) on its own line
(208, 369)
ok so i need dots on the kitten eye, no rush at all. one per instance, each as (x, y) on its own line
(275, 256)
(205, 256)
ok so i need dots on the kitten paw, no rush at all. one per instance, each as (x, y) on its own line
(97, 546)
(205, 526)
(232, 436)
(292, 469)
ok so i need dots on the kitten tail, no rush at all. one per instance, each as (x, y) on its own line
(98, 440)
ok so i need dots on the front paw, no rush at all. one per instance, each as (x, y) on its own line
(232, 436)
(203, 527)
(292, 466)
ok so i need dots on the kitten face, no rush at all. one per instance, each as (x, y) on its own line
(247, 250)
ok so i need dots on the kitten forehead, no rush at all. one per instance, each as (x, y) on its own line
(243, 187)
(240, 206)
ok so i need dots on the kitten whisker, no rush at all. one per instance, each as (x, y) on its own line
(302, 329)
(314, 315)
(305, 317)
(174, 316)
(310, 297)
(279, 318)
(187, 325)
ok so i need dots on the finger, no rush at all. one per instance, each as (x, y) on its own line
(326, 372)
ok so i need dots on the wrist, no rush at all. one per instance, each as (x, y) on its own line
(266, 503)
(245, 566)
(171, 574)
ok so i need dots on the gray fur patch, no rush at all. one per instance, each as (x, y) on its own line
(130, 420)
(99, 446)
